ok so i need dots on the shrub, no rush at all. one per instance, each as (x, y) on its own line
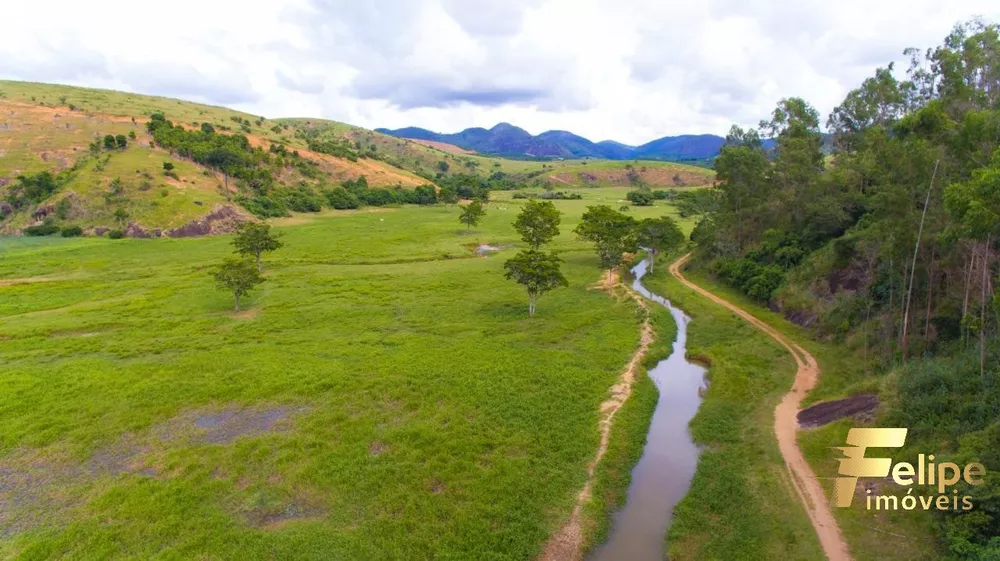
(116, 234)
(71, 232)
(641, 197)
(378, 197)
(46, 229)
(341, 199)
(264, 207)
(299, 199)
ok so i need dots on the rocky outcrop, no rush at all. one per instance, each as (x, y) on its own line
(222, 220)
(134, 230)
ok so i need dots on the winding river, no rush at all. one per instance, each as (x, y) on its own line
(663, 475)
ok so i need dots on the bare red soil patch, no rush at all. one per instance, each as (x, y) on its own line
(443, 146)
(377, 173)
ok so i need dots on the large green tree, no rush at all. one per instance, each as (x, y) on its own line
(612, 233)
(238, 276)
(471, 214)
(537, 271)
(254, 239)
(538, 223)
(658, 235)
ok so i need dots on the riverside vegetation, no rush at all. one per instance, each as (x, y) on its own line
(887, 249)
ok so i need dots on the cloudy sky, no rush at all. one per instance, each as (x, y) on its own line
(627, 70)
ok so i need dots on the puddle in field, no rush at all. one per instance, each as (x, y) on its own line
(663, 475)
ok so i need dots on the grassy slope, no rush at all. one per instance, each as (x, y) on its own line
(41, 132)
(418, 157)
(762, 523)
(484, 419)
(162, 201)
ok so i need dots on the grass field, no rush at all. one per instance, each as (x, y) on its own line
(740, 504)
(384, 395)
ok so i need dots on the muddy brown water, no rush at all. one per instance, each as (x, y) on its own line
(663, 474)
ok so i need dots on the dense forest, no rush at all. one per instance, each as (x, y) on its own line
(889, 244)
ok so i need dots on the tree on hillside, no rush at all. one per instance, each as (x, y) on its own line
(975, 206)
(254, 239)
(121, 216)
(741, 168)
(538, 223)
(471, 214)
(612, 233)
(537, 271)
(658, 235)
(121, 141)
(238, 276)
(109, 142)
(224, 160)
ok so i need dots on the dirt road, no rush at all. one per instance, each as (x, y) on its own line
(786, 426)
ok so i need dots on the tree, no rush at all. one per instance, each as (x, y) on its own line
(975, 207)
(121, 141)
(425, 195)
(641, 197)
(254, 239)
(207, 128)
(238, 276)
(109, 142)
(168, 166)
(342, 199)
(224, 160)
(538, 223)
(472, 213)
(537, 271)
(120, 216)
(448, 195)
(657, 235)
(612, 233)
(741, 169)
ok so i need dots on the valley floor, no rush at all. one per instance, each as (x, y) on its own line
(384, 395)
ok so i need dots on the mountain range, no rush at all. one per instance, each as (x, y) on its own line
(514, 142)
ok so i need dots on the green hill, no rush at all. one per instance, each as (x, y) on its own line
(80, 157)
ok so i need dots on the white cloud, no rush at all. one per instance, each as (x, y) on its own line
(607, 69)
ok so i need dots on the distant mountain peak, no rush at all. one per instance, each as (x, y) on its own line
(505, 139)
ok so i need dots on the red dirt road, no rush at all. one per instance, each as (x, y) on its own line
(786, 426)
